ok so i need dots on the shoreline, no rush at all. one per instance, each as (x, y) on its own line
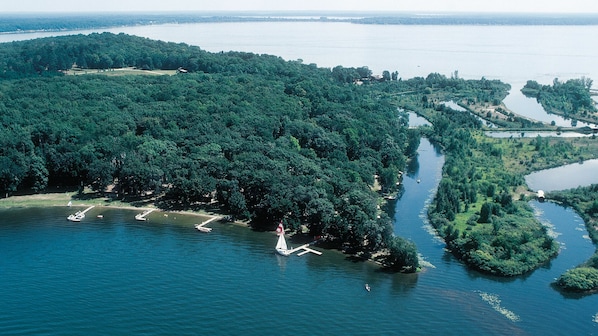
(62, 199)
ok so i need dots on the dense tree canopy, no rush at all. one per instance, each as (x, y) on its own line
(571, 98)
(474, 209)
(264, 138)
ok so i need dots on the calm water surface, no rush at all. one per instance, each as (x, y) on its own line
(115, 275)
(565, 177)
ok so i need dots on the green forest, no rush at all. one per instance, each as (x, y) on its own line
(264, 140)
(480, 208)
(475, 210)
(569, 99)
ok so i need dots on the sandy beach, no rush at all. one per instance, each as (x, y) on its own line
(63, 199)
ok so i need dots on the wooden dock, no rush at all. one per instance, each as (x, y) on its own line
(305, 249)
(201, 227)
(79, 215)
(141, 216)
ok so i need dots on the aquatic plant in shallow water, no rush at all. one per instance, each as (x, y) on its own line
(494, 301)
(550, 228)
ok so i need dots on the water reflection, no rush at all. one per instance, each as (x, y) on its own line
(530, 108)
(413, 167)
(526, 134)
(404, 283)
(564, 177)
(415, 120)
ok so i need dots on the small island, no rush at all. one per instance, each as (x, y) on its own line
(571, 99)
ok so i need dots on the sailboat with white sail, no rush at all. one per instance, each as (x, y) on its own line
(281, 245)
(283, 249)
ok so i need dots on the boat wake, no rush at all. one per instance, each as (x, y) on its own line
(494, 301)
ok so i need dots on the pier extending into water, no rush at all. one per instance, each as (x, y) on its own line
(141, 216)
(79, 215)
(305, 249)
(201, 227)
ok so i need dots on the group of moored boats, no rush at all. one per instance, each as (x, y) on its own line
(281, 245)
(77, 217)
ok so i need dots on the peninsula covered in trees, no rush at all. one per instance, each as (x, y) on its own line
(569, 99)
(265, 140)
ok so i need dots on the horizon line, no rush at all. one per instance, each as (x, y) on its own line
(300, 12)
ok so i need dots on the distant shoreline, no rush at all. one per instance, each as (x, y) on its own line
(15, 23)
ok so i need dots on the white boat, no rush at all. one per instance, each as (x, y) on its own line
(77, 217)
(281, 245)
(282, 248)
(367, 287)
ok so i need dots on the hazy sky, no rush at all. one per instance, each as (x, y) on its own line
(537, 6)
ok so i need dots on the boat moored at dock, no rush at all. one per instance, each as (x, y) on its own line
(79, 215)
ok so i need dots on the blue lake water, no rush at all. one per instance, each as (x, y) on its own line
(116, 275)
(564, 177)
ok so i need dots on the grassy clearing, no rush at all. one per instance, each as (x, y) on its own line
(59, 199)
(38, 200)
(120, 72)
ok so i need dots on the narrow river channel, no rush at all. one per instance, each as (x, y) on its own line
(529, 301)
